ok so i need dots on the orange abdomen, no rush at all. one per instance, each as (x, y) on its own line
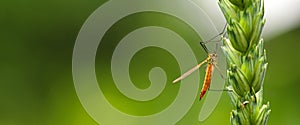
(207, 80)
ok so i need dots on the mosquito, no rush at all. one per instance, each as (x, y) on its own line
(211, 61)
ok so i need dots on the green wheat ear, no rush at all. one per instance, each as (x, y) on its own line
(246, 60)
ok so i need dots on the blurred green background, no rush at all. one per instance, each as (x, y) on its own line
(36, 86)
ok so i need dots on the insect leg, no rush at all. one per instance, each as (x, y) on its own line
(219, 70)
(224, 31)
(215, 90)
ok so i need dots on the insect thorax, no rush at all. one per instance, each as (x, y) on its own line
(212, 58)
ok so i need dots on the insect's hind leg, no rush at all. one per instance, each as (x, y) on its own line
(222, 90)
(242, 104)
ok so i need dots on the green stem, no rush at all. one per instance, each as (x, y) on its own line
(246, 60)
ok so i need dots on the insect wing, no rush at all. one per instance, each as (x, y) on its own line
(189, 72)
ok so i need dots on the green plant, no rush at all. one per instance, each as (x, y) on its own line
(246, 60)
